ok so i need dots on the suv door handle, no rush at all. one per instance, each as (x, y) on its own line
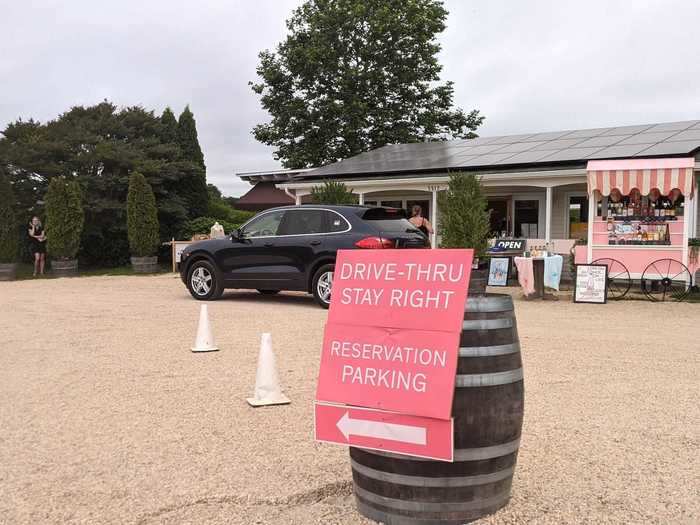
(315, 243)
(269, 244)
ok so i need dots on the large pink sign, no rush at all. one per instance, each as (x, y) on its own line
(390, 350)
(415, 289)
(408, 371)
(379, 430)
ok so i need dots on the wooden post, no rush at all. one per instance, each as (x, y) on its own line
(172, 249)
(434, 216)
(591, 219)
(548, 216)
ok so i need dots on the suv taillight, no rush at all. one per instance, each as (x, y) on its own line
(373, 243)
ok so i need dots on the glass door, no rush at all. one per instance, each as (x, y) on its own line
(527, 213)
(578, 217)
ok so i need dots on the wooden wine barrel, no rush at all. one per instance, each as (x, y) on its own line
(488, 415)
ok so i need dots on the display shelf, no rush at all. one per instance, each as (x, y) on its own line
(638, 247)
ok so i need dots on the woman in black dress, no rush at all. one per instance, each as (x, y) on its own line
(37, 238)
(420, 222)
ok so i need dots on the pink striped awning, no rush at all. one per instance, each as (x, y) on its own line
(642, 174)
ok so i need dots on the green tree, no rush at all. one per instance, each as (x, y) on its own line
(142, 217)
(464, 219)
(196, 184)
(99, 146)
(354, 75)
(64, 218)
(9, 241)
(168, 126)
(332, 192)
(187, 137)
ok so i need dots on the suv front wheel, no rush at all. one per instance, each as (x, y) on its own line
(203, 282)
(322, 284)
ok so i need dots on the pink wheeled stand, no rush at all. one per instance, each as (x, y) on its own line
(641, 213)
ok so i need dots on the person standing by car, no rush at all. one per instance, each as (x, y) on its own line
(37, 238)
(419, 221)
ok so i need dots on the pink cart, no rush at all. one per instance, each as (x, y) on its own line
(641, 212)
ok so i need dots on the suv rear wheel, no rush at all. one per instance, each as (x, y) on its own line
(322, 284)
(203, 282)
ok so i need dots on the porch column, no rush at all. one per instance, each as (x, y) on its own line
(297, 198)
(592, 204)
(434, 216)
(548, 216)
(361, 198)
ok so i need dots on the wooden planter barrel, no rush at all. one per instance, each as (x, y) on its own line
(477, 281)
(64, 268)
(8, 271)
(488, 415)
(144, 264)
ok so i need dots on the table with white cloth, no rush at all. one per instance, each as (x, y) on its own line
(535, 282)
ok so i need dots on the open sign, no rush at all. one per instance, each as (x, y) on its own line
(511, 244)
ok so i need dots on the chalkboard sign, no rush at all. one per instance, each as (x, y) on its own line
(511, 244)
(591, 283)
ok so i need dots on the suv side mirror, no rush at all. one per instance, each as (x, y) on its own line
(236, 234)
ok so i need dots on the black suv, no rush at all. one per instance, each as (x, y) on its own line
(292, 248)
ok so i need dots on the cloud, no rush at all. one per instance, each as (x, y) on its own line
(528, 66)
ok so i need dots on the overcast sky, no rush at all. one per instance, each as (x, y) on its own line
(538, 65)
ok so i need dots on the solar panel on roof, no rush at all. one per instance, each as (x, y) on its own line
(627, 130)
(552, 145)
(627, 141)
(619, 151)
(599, 142)
(518, 147)
(551, 135)
(510, 139)
(689, 134)
(671, 148)
(485, 160)
(671, 126)
(646, 138)
(586, 133)
(570, 154)
(526, 156)
(478, 150)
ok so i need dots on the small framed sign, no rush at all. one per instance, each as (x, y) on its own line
(499, 269)
(591, 283)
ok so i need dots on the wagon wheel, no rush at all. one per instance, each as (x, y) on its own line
(619, 280)
(666, 280)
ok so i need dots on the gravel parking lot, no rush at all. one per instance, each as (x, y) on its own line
(107, 417)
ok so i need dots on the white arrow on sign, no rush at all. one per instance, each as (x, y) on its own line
(379, 430)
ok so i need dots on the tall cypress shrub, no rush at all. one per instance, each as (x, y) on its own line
(464, 219)
(64, 218)
(9, 242)
(142, 217)
(194, 186)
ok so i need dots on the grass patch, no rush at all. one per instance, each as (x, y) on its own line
(24, 272)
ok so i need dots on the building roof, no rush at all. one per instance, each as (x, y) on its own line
(270, 175)
(262, 196)
(530, 150)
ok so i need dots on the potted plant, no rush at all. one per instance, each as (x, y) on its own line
(64, 225)
(464, 223)
(9, 242)
(142, 225)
